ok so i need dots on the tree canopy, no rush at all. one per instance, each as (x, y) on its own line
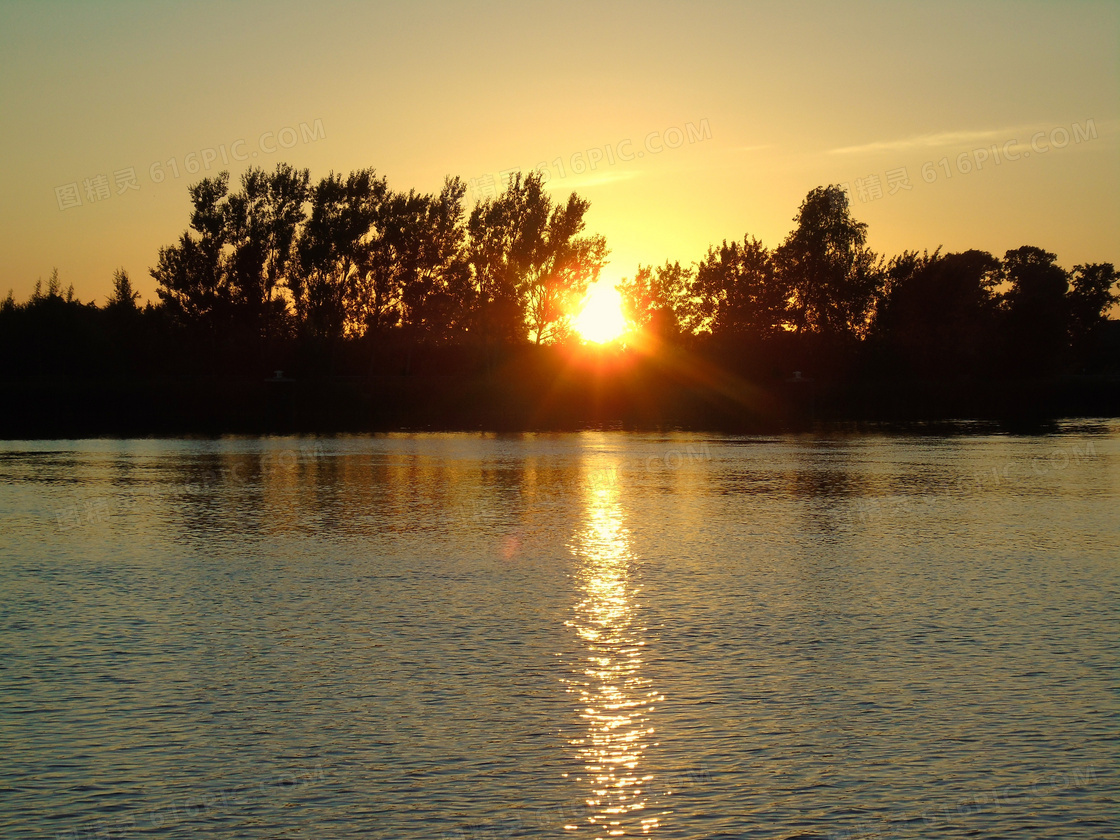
(279, 270)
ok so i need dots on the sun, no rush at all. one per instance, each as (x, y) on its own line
(600, 319)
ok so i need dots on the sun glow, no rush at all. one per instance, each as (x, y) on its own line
(600, 319)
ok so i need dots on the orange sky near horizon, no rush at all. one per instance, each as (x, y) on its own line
(961, 125)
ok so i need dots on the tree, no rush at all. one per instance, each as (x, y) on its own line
(54, 289)
(1090, 296)
(415, 271)
(326, 286)
(662, 301)
(436, 292)
(1037, 310)
(744, 294)
(831, 275)
(262, 220)
(191, 275)
(227, 276)
(57, 329)
(938, 313)
(555, 285)
(124, 297)
(503, 232)
(123, 326)
(529, 264)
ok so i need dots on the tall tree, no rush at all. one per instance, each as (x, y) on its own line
(564, 266)
(530, 266)
(831, 274)
(331, 249)
(124, 324)
(436, 295)
(663, 301)
(744, 294)
(262, 220)
(415, 271)
(502, 231)
(1037, 310)
(124, 297)
(937, 316)
(1091, 295)
(191, 277)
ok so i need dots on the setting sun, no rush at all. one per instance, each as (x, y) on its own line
(601, 319)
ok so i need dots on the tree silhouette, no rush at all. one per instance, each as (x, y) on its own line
(745, 295)
(330, 297)
(262, 220)
(415, 269)
(1037, 310)
(529, 264)
(222, 280)
(124, 327)
(1090, 297)
(504, 232)
(124, 297)
(191, 279)
(662, 301)
(938, 315)
(555, 286)
(831, 275)
(53, 333)
(436, 297)
(410, 283)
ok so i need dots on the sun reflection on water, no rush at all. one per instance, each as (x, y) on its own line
(615, 699)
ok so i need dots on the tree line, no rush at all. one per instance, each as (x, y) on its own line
(348, 276)
(349, 258)
(926, 315)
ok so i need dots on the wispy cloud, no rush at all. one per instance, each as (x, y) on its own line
(925, 141)
(1016, 134)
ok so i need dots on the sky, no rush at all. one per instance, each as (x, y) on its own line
(985, 125)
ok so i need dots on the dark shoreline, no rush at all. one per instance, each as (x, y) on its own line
(207, 406)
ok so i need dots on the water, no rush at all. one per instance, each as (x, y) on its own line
(587, 635)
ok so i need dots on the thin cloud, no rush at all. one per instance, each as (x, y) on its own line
(923, 141)
(1017, 134)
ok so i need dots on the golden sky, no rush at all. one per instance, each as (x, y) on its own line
(967, 125)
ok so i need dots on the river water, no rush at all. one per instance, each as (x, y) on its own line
(584, 635)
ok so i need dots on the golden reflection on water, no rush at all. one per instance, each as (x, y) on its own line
(616, 700)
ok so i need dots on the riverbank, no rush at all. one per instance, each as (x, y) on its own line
(516, 400)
